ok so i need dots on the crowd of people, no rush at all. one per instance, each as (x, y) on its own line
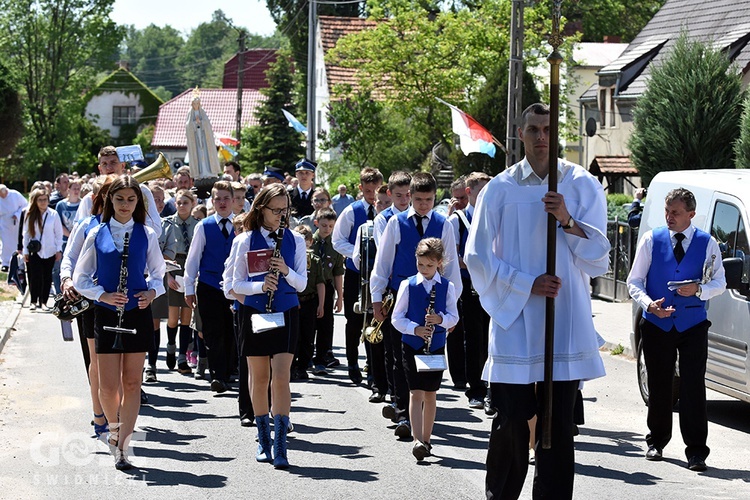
(249, 278)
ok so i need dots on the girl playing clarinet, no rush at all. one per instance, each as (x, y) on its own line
(423, 319)
(270, 353)
(123, 297)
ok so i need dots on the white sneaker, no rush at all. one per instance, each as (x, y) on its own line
(32, 307)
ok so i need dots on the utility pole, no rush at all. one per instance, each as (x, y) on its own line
(240, 72)
(312, 12)
(515, 83)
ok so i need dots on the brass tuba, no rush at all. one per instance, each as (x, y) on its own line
(372, 333)
(160, 169)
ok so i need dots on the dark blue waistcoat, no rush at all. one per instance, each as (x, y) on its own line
(215, 252)
(109, 260)
(404, 261)
(419, 301)
(689, 311)
(285, 296)
(360, 217)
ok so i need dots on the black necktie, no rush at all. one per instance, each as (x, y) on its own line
(322, 249)
(679, 252)
(224, 229)
(273, 236)
(303, 195)
(418, 222)
(185, 236)
(371, 213)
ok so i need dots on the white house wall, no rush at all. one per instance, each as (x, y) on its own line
(101, 106)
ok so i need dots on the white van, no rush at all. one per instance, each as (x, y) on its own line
(723, 211)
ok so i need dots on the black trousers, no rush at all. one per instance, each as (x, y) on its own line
(388, 355)
(508, 453)
(244, 403)
(218, 329)
(83, 337)
(324, 327)
(660, 350)
(308, 310)
(400, 393)
(376, 363)
(40, 278)
(354, 321)
(476, 336)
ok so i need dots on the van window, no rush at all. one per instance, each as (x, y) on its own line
(729, 230)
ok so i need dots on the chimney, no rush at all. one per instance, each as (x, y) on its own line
(123, 64)
(612, 39)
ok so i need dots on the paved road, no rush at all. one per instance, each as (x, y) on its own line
(191, 445)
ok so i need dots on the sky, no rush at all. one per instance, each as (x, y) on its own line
(184, 15)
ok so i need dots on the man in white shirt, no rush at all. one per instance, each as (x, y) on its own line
(12, 204)
(506, 256)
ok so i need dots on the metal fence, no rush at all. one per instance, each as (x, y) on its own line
(622, 239)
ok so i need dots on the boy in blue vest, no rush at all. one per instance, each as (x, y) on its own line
(676, 322)
(475, 322)
(424, 332)
(205, 264)
(396, 261)
(343, 238)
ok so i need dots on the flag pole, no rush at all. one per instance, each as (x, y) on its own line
(554, 59)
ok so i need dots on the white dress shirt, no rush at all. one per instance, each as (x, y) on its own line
(195, 254)
(227, 277)
(387, 253)
(85, 270)
(153, 219)
(403, 324)
(50, 236)
(297, 276)
(342, 230)
(73, 248)
(642, 263)
(381, 222)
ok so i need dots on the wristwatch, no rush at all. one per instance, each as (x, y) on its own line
(568, 225)
(698, 293)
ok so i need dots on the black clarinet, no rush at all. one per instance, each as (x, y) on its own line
(430, 310)
(122, 287)
(276, 253)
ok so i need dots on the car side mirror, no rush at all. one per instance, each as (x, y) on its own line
(733, 270)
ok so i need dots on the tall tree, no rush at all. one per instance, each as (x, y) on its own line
(153, 54)
(201, 60)
(742, 145)
(56, 47)
(600, 18)
(273, 142)
(689, 116)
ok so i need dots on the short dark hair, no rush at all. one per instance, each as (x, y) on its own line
(399, 178)
(683, 195)
(383, 189)
(538, 108)
(423, 182)
(107, 151)
(222, 186)
(325, 214)
(370, 175)
(234, 165)
(459, 183)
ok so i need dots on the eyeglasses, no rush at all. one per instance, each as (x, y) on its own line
(320, 200)
(276, 211)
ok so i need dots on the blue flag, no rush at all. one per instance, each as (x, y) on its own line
(293, 122)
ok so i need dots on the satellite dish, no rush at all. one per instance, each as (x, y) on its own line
(176, 164)
(590, 127)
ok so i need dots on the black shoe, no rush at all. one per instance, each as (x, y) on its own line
(403, 430)
(184, 368)
(419, 451)
(4, 269)
(301, 375)
(150, 375)
(489, 410)
(332, 362)
(654, 454)
(219, 386)
(246, 421)
(355, 375)
(459, 386)
(144, 398)
(376, 397)
(390, 412)
(697, 464)
(475, 403)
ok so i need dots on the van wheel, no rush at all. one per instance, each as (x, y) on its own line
(643, 378)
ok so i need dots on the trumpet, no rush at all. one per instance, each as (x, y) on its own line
(373, 333)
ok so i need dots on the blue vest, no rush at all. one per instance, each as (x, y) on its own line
(463, 235)
(109, 261)
(388, 213)
(285, 296)
(689, 311)
(360, 217)
(404, 261)
(93, 221)
(215, 252)
(419, 301)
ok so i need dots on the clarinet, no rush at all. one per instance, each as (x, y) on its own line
(122, 287)
(430, 310)
(276, 254)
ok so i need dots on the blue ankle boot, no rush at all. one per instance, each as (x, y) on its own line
(264, 439)
(280, 427)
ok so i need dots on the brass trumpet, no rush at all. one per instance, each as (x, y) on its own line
(157, 170)
(372, 333)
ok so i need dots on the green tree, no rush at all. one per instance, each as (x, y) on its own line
(11, 126)
(689, 116)
(145, 137)
(273, 142)
(153, 54)
(56, 47)
(742, 145)
(201, 60)
(600, 18)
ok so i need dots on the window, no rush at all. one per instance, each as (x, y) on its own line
(612, 114)
(123, 115)
(602, 108)
(729, 230)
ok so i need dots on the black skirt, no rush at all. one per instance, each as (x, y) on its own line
(420, 381)
(277, 341)
(139, 319)
(87, 323)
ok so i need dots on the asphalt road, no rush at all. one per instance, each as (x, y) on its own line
(190, 443)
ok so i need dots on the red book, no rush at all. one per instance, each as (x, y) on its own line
(259, 261)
